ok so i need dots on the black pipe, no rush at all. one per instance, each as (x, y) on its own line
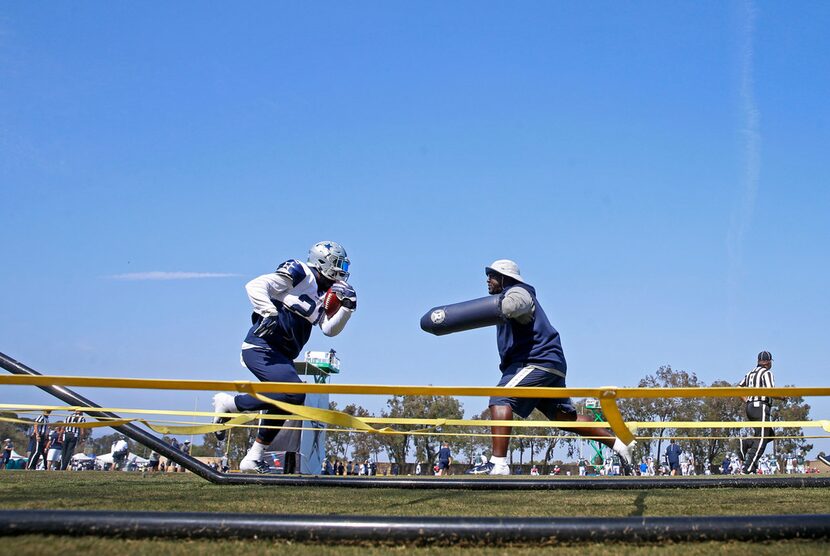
(419, 530)
(139, 435)
(444, 483)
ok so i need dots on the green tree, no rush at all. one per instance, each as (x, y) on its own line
(431, 407)
(363, 444)
(721, 440)
(204, 451)
(337, 440)
(792, 408)
(533, 439)
(537, 436)
(662, 409)
(236, 443)
(471, 446)
(396, 445)
(15, 431)
(715, 443)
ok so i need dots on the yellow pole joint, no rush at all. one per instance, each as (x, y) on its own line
(608, 403)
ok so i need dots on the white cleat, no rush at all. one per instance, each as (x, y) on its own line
(253, 466)
(222, 403)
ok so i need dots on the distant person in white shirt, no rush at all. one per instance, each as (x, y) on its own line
(120, 451)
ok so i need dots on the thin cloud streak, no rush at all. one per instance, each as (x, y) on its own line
(158, 275)
(751, 131)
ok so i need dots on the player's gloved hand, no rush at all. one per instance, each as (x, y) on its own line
(346, 294)
(266, 327)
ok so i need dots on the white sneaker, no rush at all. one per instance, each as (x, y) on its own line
(502, 469)
(625, 451)
(222, 403)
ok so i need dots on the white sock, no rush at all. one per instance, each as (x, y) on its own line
(496, 460)
(256, 451)
(619, 446)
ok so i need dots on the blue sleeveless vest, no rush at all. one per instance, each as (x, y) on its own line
(536, 342)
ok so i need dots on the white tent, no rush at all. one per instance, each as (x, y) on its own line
(133, 460)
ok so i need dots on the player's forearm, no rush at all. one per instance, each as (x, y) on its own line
(334, 325)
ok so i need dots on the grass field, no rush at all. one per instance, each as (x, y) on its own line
(185, 492)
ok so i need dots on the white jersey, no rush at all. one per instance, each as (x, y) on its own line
(292, 286)
(292, 296)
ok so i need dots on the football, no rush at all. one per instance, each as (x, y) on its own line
(331, 303)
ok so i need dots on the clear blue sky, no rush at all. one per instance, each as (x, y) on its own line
(655, 168)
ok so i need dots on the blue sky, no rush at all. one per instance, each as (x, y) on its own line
(658, 170)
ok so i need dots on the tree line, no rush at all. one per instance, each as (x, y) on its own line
(537, 444)
(707, 444)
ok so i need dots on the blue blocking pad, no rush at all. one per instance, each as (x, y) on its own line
(467, 315)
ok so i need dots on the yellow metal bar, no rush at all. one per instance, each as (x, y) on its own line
(818, 423)
(608, 402)
(249, 387)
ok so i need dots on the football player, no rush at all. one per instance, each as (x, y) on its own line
(287, 304)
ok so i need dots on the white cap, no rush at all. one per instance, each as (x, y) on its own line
(506, 267)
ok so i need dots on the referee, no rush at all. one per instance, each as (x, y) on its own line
(38, 438)
(758, 409)
(71, 436)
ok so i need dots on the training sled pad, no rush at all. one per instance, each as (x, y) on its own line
(467, 315)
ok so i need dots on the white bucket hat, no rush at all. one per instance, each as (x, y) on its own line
(506, 267)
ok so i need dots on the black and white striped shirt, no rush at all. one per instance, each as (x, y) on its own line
(759, 377)
(41, 426)
(74, 418)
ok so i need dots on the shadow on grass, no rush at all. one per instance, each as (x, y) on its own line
(430, 499)
(639, 506)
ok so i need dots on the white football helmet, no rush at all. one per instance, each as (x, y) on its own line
(330, 259)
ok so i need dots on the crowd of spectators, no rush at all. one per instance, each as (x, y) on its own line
(340, 467)
(54, 448)
(58, 448)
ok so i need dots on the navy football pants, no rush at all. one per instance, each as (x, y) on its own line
(268, 366)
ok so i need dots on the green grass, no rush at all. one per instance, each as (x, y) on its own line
(185, 492)
(46, 546)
